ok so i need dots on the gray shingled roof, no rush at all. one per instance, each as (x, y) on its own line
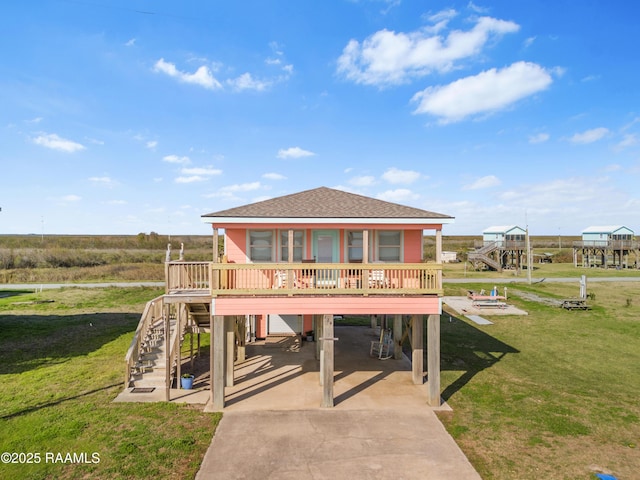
(325, 202)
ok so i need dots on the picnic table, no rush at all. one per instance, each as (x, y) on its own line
(488, 301)
(575, 304)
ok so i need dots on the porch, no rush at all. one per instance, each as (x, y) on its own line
(303, 278)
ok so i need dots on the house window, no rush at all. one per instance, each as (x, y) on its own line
(298, 244)
(354, 246)
(389, 246)
(261, 245)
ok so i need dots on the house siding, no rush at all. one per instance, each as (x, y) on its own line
(236, 240)
(339, 305)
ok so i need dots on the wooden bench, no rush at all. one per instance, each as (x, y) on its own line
(488, 303)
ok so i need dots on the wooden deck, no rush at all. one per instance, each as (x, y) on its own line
(277, 279)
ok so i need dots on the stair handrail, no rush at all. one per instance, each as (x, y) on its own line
(175, 345)
(148, 315)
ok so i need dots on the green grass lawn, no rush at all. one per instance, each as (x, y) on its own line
(553, 394)
(61, 365)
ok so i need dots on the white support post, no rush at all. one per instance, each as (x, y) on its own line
(217, 354)
(417, 362)
(327, 364)
(230, 343)
(397, 337)
(433, 359)
(167, 358)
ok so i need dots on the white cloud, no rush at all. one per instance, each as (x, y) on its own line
(247, 82)
(274, 176)
(395, 175)
(107, 181)
(487, 181)
(191, 179)
(203, 171)
(197, 174)
(54, 142)
(589, 136)
(152, 144)
(529, 41)
(202, 76)
(363, 181)
(398, 195)
(628, 140)
(487, 92)
(539, 138)
(242, 187)
(176, 159)
(294, 152)
(130, 43)
(388, 58)
(70, 198)
(477, 8)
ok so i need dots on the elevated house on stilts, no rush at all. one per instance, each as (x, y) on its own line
(288, 266)
(607, 246)
(501, 247)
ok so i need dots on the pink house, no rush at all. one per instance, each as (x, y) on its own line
(291, 263)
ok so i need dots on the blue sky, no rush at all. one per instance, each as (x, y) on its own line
(128, 116)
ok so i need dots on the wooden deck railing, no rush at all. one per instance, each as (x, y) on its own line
(304, 278)
(608, 244)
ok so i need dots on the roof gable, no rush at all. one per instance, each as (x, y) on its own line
(502, 229)
(325, 203)
(606, 229)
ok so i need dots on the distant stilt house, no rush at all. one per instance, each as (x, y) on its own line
(501, 247)
(606, 246)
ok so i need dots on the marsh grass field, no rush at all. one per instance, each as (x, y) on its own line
(553, 394)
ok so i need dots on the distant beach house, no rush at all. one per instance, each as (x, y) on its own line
(501, 247)
(606, 235)
(289, 265)
(503, 236)
(606, 246)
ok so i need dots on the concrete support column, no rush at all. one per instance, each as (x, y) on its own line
(397, 337)
(230, 349)
(433, 359)
(217, 356)
(438, 246)
(326, 369)
(417, 362)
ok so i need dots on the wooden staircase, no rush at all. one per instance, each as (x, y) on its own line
(482, 255)
(200, 313)
(150, 368)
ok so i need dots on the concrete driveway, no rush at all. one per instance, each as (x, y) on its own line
(380, 428)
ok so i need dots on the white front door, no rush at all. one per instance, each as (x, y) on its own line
(325, 246)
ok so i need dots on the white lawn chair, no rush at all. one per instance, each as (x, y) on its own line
(382, 348)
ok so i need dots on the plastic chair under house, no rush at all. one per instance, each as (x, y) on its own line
(382, 348)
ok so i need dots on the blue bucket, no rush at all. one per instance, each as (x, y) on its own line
(187, 382)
